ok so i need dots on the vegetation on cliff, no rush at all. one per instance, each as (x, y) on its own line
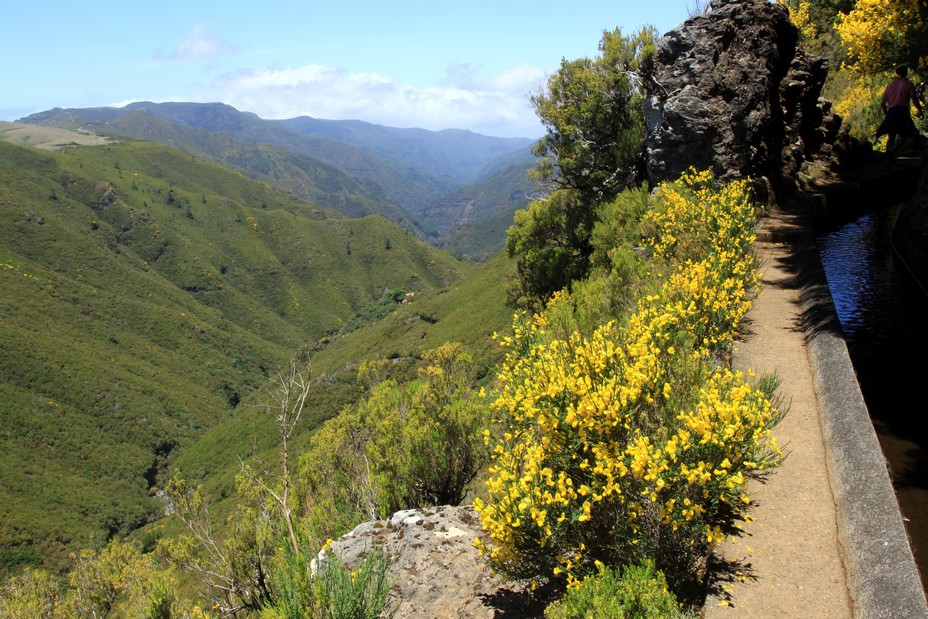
(622, 436)
(864, 40)
(626, 440)
(592, 109)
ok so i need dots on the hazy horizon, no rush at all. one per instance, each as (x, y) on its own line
(407, 64)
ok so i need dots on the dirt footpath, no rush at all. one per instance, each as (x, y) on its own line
(787, 564)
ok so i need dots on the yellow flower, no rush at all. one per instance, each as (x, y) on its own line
(587, 420)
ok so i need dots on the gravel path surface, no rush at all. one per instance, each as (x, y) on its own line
(788, 563)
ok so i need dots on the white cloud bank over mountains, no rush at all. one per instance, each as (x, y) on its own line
(200, 67)
(499, 105)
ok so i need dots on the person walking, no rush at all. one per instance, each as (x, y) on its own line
(897, 121)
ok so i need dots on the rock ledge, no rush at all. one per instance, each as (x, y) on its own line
(435, 568)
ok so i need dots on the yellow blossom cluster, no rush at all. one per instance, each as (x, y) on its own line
(874, 30)
(695, 217)
(858, 103)
(632, 443)
(800, 14)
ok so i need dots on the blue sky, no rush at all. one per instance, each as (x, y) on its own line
(467, 65)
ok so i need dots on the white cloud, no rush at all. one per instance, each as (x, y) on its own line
(200, 46)
(524, 78)
(462, 75)
(498, 105)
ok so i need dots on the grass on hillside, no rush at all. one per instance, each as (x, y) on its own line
(46, 138)
(469, 312)
(146, 297)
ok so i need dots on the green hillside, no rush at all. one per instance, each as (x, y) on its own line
(146, 296)
(468, 312)
(350, 166)
(473, 220)
(291, 164)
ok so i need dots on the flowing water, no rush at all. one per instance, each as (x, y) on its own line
(884, 316)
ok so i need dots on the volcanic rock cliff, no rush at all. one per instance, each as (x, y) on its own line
(733, 92)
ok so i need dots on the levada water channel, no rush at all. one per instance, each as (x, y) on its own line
(884, 315)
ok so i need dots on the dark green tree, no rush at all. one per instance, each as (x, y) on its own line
(552, 239)
(594, 116)
(592, 110)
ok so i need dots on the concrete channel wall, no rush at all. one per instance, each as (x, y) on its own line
(883, 579)
(911, 250)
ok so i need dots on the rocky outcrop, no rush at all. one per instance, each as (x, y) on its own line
(108, 197)
(733, 92)
(435, 568)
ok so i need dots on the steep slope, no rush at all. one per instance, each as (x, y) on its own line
(473, 220)
(469, 312)
(146, 295)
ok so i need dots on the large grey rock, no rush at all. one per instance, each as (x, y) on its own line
(434, 567)
(733, 92)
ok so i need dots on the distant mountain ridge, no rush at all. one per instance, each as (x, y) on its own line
(351, 166)
(456, 153)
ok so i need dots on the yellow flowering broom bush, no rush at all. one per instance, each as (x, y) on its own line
(632, 443)
(696, 217)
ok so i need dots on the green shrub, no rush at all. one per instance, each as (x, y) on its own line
(638, 592)
(333, 591)
(291, 577)
(116, 580)
(35, 593)
(359, 594)
(403, 446)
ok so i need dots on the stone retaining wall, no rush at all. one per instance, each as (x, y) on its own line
(883, 579)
